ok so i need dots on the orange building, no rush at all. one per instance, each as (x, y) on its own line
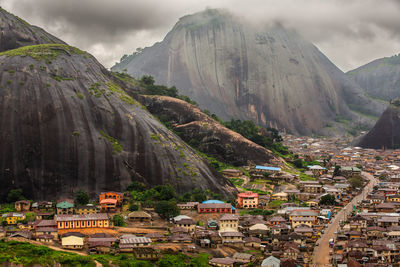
(247, 200)
(78, 221)
(108, 204)
(112, 195)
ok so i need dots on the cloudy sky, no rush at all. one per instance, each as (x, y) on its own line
(349, 32)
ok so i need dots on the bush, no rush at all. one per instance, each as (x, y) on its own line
(133, 207)
(328, 200)
(14, 195)
(166, 209)
(81, 197)
(118, 220)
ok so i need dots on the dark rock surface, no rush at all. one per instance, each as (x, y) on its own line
(269, 75)
(15, 32)
(66, 123)
(386, 132)
(213, 138)
(379, 78)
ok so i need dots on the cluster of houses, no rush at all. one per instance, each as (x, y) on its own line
(372, 235)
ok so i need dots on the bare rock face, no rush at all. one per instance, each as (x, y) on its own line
(212, 137)
(16, 32)
(269, 75)
(379, 78)
(66, 123)
(386, 132)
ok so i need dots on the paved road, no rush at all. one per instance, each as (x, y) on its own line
(321, 253)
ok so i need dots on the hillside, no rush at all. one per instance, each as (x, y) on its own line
(16, 32)
(66, 124)
(269, 75)
(386, 132)
(379, 78)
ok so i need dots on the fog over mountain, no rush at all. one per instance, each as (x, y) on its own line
(350, 33)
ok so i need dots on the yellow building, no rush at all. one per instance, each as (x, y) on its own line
(72, 242)
(13, 217)
(303, 221)
(88, 209)
(77, 221)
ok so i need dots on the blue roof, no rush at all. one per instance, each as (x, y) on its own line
(213, 201)
(266, 168)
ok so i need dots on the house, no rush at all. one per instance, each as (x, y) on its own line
(99, 247)
(43, 215)
(46, 231)
(156, 236)
(232, 173)
(188, 224)
(222, 262)
(45, 238)
(231, 237)
(86, 209)
(112, 195)
(24, 234)
(45, 223)
(271, 261)
(258, 229)
(243, 257)
(77, 221)
(13, 217)
(247, 200)
(65, 207)
(280, 196)
(300, 221)
(42, 206)
(188, 206)
(387, 221)
(139, 216)
(148, 254)
(277, 220)
(128, 244)
(180, 238)
(72, 240)
(212, 224)
(253, 242)
(228, 222)
(108, 204)
(214, 208)
(22, 205)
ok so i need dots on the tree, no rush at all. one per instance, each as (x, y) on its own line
(328, 200)
(298, 163)
(166, 209)
(14, 195)
(355, 182)
(133, 207)
(147, 79)
(173, 260)
(165, 192)
(118, 220)
(136, 186)
(81, 197)
(336, 171)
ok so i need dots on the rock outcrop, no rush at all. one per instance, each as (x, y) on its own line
(66, 123)
(209, 135)
(270, 75)
(386, 132)
(379, 78)
(16, 32)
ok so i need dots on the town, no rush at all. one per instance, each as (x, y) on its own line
(333, 205)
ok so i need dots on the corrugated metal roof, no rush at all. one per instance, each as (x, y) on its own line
(267, 168)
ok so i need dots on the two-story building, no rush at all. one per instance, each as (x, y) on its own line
(247, 200)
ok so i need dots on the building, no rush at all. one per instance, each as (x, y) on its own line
(128, 244)
(228, 223)
(78, 221)
(214, 208)
(22, 205)
(232, 237)
(72, 241)
(65, 207)
(271, 261)
(188, 206)
(188, 224)
(86, 209)
(13, 217)
(108, 204)
(232, 173)
(112, 195)
(247, 200)
(148, 254)
(139, 216)
(222, 262)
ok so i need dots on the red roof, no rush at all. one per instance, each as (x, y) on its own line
(248, 194)
(109, 201)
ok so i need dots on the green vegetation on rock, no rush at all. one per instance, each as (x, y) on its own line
(117, 147)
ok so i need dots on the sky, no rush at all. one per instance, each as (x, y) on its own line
(349, 32)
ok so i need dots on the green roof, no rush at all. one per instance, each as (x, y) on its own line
(65, 205)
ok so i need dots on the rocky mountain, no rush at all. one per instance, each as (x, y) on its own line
(379, 78)
(206, 134)
(16, 32)
(269, 74)
(66, 123)
(386, 132)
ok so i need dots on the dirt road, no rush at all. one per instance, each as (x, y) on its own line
(321, 252)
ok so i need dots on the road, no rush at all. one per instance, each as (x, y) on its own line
(321, 255)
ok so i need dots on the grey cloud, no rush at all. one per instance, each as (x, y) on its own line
(349, 32)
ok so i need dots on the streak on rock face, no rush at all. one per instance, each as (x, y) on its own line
(269, 75)
(66, 123)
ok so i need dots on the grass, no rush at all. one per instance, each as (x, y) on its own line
(47, 52)
(60, 78)
(7, 207)
(28, 255)
(305, 177)
(115, 88)
(275, 204)
(79, 95)
(117, 147)
(237, 181)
